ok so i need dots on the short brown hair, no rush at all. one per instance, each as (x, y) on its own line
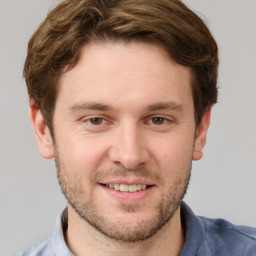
(56, 45)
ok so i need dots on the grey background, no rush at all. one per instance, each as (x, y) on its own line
(223, 182)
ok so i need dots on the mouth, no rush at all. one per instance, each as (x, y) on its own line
(132, 188)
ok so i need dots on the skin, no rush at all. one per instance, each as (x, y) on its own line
(124, 114)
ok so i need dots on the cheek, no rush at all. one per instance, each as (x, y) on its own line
(173, 153)
(82, 154)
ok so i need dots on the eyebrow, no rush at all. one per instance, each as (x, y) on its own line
(90, 106)
(103, 107)
(165, 105)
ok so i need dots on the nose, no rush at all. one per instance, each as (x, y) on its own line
(129, 148)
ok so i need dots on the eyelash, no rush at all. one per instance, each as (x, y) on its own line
(159, 118)
(91, 120)
(103, 120)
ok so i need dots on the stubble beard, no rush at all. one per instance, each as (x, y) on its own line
(121, 230)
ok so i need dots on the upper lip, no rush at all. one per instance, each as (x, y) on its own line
(128, 182)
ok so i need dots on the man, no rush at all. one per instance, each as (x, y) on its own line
(120, 95)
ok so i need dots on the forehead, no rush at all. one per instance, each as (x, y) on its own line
(119, 71)
(121, 56)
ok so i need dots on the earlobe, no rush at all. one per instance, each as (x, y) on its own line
(201, 136)
(42, 132)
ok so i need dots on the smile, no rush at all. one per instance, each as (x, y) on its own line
(127, 188)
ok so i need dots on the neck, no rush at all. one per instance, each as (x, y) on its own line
(83, 239)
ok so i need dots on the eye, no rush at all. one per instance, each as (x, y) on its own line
(158, 120)
(96, 121)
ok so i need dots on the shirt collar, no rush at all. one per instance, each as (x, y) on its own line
(195, 233)
(59, 245)
(194, 239)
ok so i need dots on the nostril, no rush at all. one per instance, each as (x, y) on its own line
(128, 154)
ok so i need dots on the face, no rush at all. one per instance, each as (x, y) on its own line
(124, 138)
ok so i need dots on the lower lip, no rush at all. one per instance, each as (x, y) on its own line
(128, 197)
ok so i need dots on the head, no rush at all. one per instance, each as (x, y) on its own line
(56, 45)
(124, 88)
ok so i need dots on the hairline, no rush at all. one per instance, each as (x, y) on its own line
(105, 40)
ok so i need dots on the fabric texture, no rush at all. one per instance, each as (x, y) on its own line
(204, 237)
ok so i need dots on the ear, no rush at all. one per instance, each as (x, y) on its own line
(201, 133)
(42, 132)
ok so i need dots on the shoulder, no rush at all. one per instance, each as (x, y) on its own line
(42, 248)
(229, 238)
(216, 237)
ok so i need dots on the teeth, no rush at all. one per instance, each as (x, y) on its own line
(127, 188)
(138, 187)
(124, 188)
(116, 186)
(132, 188)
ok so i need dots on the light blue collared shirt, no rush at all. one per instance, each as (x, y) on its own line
(204, 237)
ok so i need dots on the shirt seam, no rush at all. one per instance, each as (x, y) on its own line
(251, 253)
(232, 229)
